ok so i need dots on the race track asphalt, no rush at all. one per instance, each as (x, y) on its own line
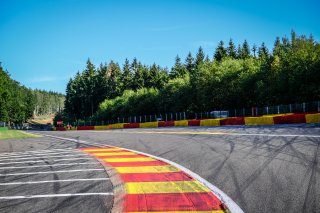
(264, 169)
(51, 175)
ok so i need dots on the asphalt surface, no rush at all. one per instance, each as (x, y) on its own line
(265, 169)
(50, 175)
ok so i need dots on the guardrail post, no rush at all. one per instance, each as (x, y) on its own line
(290, 108)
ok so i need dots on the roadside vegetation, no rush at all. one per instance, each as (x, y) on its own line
(14, 134)
(18, 103)
(236, 76)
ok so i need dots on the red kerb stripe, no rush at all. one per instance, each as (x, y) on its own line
(172, 202)
(121, 156)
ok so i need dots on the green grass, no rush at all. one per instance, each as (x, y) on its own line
(13, 134)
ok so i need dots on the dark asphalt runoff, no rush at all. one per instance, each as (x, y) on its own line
(50, 175)
(263, 169)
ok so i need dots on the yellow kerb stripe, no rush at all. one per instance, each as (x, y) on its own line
(164, 187)
(113, 153)
(213, 211)
(128, 159)
(102, 150)
(147, 169)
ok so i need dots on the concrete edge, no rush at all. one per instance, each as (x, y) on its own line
(232, 206)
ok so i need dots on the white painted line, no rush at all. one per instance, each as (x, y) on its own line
(44, 157)
(61, 164)
(39, 151)
(41, 161)
(51, 172)
(271, 135)
(52, 181)
(233, 207)
(38, 154)
(56, 195)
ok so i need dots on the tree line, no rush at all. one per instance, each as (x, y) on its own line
(235, 77)
(19, 103)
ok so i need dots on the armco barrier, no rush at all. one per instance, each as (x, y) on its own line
(101, 127)
(131, 125)
(290, 119)
(210, 122)
(165, 123)
(263, 120)
(232, 121)
(313, 118)
(266, 120)
(181, 123)
(194, 123)
(117, 126)
(85, 128)
(149, 125)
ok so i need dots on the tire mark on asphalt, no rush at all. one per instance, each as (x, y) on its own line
(310, 205)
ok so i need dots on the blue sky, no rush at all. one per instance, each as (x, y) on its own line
(45, 42)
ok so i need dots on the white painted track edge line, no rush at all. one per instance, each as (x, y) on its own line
(56, 195)
(41, 161)
(57, 156)
(233, 207)
(50, 172)
(40, 155)
(39, 151)
(48, 165)
(53, 181)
